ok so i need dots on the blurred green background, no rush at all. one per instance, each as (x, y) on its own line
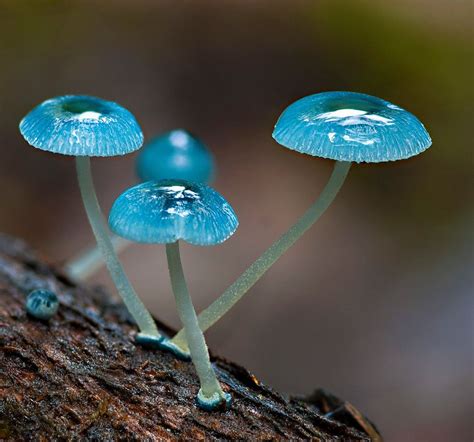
(375, 303)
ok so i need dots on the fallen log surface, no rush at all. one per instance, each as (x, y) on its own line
(80, 376)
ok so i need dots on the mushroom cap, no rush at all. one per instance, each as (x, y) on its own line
(42, 304)
(161, 212)
(81, 125)
(348, 126)
(175, 155)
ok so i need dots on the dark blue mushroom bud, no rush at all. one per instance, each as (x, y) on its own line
(42, 304)
(175, 155)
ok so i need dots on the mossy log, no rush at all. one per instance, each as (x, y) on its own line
(80, 376)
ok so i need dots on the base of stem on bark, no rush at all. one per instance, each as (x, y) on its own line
(81, 376)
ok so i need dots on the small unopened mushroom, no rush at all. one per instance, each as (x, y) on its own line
(84, 127)
(42, 304)
(166, 212)
(343, 126)
(175, 155)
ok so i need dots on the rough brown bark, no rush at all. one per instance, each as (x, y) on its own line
(81, 377)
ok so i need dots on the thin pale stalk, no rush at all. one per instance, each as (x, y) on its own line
(237, 290)
(82, 266)
(210, 387)
(99, 227)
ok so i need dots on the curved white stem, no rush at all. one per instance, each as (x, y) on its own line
(135, 306)
(211, 392)
(87, 262)
(245, 281)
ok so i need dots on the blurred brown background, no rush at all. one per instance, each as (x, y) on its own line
(375, 303)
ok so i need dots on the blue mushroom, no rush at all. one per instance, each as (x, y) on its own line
(166, 212)
(175, 155)
(42, 304)
(348, 126)
(84, 127)
(343, 126)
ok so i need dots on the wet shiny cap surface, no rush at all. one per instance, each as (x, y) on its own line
(176, 155)
(349, 126)
(81, 125)
(42, 304)
(170, 210)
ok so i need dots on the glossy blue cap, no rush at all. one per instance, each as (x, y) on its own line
(42, 304)
(80, 125)
(170, 210)
(175, 155)
(348, 126)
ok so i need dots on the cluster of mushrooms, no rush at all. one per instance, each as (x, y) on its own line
(175, 203)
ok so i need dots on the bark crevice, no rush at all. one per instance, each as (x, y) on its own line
(80, 376)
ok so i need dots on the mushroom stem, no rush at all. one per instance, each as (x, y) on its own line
(234, 293)
(135, 306)
(87, 262)
(210, 394)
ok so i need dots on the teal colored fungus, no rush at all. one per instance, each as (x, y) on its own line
(175, 155)
(42, 304)
(85, 127)
(165, 212)
(346, 127)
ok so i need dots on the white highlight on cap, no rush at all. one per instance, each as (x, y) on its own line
(341, 113)
(360, 140)
(179, 138)
(89, 115)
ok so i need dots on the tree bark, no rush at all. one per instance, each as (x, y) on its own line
(80, 376)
